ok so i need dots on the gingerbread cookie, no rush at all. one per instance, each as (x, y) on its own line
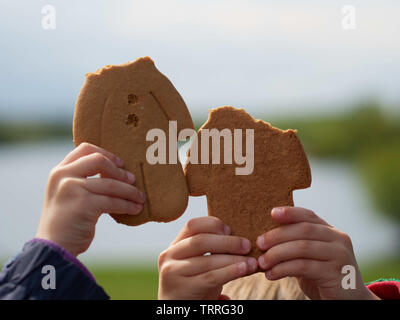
(115, 110)
(242, 191)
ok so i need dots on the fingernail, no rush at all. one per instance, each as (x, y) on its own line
(261, 242)
(130, 176)
(241, 267)
(277, 212)
(143, 196)
(252, 263)
(246, 245)
(227, 230)
(261, 261)
(120, 162)
(137, 208)
(268, 274)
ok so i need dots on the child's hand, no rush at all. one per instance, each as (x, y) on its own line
(185, 272)
(74, 203)
(308, 248)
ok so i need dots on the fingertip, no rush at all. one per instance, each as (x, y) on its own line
(138, 196)
(136, 208)
(272, 275)
(278, 212)
(142, 196)
(130, 177)
(246, 245)
(241, 268)
(227, 230)
(269, 275)
(119, 162)
(262, 262)
(261, 242)
(252, 264)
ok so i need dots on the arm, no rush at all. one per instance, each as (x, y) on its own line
(27, 276)
(73, 203)
(72, 207)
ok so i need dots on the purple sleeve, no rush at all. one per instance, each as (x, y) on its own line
(65, 254)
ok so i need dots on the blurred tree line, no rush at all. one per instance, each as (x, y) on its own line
(365, 136)
(368, 138)
(12, 131)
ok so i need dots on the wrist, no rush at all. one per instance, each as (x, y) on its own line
(47, 231)
(54, 240)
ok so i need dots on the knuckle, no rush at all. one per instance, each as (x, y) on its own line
(66, 184)
(304, 246)
(209, 279)
(191, 225)
(100, 159)
(69, 187)
(162, 258)
(56, 173)
(346, 239)
(312, 214)
(307, 228)
(86, 146)
(166, 269)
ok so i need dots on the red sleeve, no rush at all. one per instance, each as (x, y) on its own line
(386, 290)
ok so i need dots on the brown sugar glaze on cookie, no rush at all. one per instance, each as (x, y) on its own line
(115, 109)
(244, 202)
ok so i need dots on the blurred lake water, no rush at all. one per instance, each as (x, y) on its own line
(336, 195)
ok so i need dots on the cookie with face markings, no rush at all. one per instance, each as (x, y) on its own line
(116, 108)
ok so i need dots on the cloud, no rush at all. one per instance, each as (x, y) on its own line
(252, 53)
(310, 22)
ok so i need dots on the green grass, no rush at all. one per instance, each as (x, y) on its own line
(141, 282)
(389, 268)
(128, 282)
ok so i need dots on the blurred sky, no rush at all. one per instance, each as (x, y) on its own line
(272, 57)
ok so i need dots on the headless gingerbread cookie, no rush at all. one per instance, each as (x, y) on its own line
(244, 201)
